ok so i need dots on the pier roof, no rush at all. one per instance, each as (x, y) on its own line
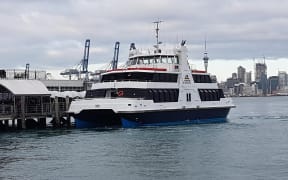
(25, 87)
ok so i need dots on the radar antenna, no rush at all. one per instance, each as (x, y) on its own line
(157, 33)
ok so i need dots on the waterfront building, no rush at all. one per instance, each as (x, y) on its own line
(241, 74)
(234, 75)
(260, 68)
(248, 77)
(261, 78)
(273, 84)
(282, 79)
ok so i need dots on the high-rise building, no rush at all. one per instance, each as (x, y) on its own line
(282, 79)
(260, 68)
(261, 77)
(248, 77)
(241, 74)
(234, 75)
(273, 84)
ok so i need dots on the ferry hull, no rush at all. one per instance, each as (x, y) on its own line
(179, 117)
(107, 118)
(96, 118)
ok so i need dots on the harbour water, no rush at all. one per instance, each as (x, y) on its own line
(253, 144)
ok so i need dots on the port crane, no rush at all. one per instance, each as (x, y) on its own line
(116, 55)
(82, 67)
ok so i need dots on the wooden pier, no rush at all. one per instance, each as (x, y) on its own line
(26, 104)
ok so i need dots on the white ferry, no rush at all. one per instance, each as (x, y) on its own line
(156, 88)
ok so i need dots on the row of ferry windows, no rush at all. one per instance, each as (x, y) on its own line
(140, 76)
(154, 60)
(211, 94)
(201, 78)
(157, 95)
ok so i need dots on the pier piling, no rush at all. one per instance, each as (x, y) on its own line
(23, 125)
(42, 122)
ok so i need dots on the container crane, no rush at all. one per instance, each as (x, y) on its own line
(82, 67)
(116, 55)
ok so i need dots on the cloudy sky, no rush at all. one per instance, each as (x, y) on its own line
(50, 34)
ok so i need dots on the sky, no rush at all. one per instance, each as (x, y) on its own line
(50, 34)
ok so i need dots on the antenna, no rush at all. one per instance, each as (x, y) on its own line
(157, 33)
(205, 58)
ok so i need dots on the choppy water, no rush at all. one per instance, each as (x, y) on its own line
(252, 145)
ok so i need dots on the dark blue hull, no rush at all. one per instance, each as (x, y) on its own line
(107, 118)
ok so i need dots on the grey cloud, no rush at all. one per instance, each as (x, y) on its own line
(52, 33)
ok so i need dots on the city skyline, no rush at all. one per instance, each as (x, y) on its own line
(215, 67)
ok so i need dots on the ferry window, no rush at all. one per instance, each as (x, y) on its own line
(155, 77)
(173, 60)
(149, 95)
(211, 97)
(177, 60)
(157, 59)
(200, 93)
(217, 94)
(164, 59)
(156, 96)
(210, 94)
(114, 93)
(188, 97)
(162, 78)
(146, 60)
(140, 60)
(161, 96)
(133, 62)
(176, 93)
(170, 59)
(171, 94)
(167, 96)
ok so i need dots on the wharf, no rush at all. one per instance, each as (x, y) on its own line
(28, 104)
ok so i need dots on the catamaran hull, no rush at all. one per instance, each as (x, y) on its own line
(107, 118)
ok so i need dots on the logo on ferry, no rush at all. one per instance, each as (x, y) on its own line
(186, 79)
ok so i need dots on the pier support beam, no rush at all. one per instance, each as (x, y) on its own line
(57, 117)
(42, 122)
(68, 121)
(13, 124)
(19, 123)
(1, 125)
(6, 122)
(23, 125)
(67, 105)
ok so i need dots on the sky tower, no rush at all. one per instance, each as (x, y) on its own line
(205, 58)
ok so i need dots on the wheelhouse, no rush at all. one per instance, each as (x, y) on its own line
(153, 59)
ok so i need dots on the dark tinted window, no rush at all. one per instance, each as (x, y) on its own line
(140, 76)
(210, 94)
(201, 78)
